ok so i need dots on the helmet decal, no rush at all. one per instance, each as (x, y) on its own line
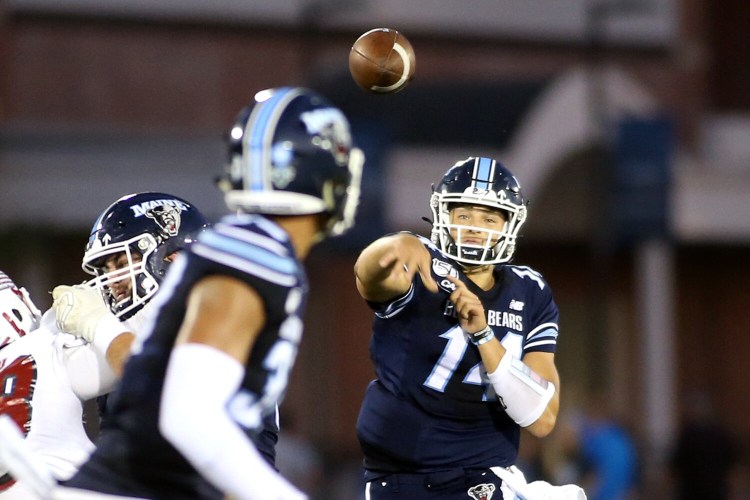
(166, 217)
(283, 157)
(328, 124)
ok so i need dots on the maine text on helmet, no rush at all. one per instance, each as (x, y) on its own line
(140, 209)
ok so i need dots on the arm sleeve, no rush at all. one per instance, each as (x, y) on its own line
(206, 434)
(88, 371)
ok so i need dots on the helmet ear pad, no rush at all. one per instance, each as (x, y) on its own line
(158, 262)
(478, 182)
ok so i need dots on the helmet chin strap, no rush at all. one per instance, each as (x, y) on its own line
(468, 253)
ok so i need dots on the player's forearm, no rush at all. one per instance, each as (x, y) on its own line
(525, 395)
(205, 434)
(118, 352)
(543, 364)
(546, 422)
(491, 353)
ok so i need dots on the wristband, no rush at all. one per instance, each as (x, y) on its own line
(482, 336)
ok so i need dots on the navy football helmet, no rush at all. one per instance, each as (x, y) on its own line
(477, 181)
(18, 314)
(291, 153)
(132, 244)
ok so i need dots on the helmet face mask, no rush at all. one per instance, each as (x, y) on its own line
(18, 314)
(122, 275)
(474, 242)
(291, 153)
(478, 182)
(131, 245)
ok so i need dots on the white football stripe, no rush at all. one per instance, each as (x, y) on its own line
(404, 75)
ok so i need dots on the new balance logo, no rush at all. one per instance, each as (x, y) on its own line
(516, 305)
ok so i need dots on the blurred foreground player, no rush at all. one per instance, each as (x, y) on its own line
(217, 357)
(131, 246)
(463, 345)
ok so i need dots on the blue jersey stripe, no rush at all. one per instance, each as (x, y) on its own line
(541, 336)
(397, 306)
(248, 267)
(241, 219)
(543, 330)
(255, 239)
(253, 254)
(533, 345)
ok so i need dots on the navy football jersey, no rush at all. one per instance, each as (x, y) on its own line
(431, 406)
(132, 458)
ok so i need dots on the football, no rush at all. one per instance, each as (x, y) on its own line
(382, 61)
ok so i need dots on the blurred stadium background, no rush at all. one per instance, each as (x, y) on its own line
(627, 122)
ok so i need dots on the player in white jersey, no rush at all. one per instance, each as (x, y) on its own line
(45, 377)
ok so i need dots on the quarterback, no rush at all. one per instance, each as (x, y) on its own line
(463, 344)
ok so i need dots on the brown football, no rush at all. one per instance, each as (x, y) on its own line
(382, 61)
